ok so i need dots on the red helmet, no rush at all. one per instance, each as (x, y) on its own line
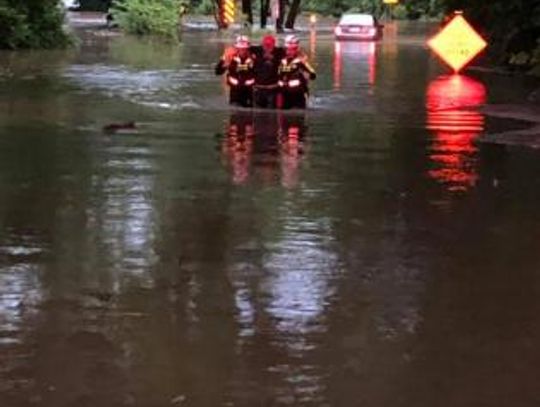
(269, 40)
(242, 42)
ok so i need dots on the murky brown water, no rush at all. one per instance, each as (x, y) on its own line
(364, 253)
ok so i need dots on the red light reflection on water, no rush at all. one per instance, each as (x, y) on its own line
(271, 149)
(452, 104)
(313, 45)
(358, 56)
(237, 148)
(337, 65)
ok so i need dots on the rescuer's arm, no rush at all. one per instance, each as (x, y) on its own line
(302, 55)
(308, 70)
(221, 67)
(225, 61)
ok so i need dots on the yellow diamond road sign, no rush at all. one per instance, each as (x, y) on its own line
(457, 43)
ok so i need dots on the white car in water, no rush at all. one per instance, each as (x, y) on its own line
(70, 4)
(358, 27)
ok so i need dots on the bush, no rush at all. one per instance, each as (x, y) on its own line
(148, 17)
(333, 7)
(523, 51)
(400, 12)
(536, 60)
(205, 7)
(338, 7)
(32, 24)
(14, 30)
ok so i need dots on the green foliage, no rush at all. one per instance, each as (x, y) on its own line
(14, 30)
(32, 24)
(512, 27)
(205, 7)
(535, 68)
(411, 9)
(369, 6)
(400, 12)
(338, 7)
(148, 17)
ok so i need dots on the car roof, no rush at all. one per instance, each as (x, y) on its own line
(359, 19)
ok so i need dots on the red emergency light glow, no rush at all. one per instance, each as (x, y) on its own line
(454, 117)
(457, 43)
(337, 65)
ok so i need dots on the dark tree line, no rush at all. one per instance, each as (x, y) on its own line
(512, 26)
(289, 10)
(31, 24)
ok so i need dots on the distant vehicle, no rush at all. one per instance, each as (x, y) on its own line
(358, 27)
(70, 4)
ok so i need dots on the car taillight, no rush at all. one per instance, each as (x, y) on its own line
(338, 30)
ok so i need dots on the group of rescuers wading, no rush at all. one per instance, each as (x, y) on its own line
(266, 76)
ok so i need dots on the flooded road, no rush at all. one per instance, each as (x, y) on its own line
(366, 252)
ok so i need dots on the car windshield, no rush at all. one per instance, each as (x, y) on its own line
(357, 19)
(70, 3)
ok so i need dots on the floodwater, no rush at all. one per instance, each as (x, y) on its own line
(367, 252)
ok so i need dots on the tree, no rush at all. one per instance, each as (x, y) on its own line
(265, 11)
(144, 17)
(247, 9)
(281, 15)
(293, 13)
(32, 24)
(512, 26)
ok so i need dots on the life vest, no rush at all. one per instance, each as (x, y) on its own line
(241, 72)
(290, 66)
(291, 75)
(245, 65)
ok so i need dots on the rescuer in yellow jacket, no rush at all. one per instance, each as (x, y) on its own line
(294, 75)
(238, 64)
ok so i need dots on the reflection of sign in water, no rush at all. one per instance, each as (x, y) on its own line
(453, 117)
(457, 43)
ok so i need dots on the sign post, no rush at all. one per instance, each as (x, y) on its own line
(227, 12)
(389, 4)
